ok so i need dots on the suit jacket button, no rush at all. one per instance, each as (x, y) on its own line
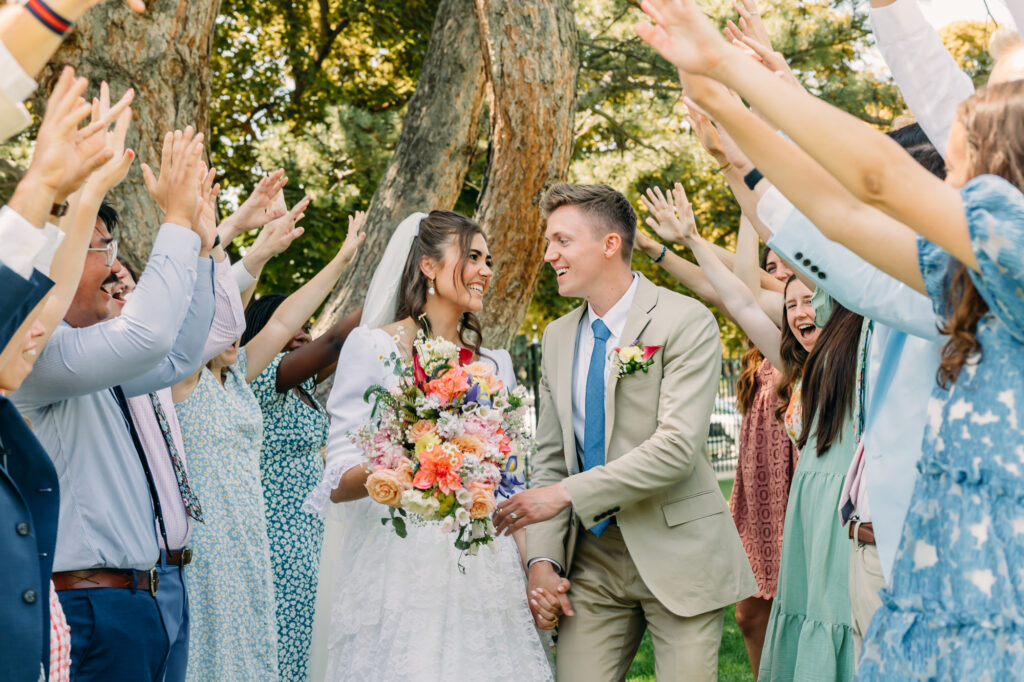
(807, 262)
(22, 528)
(821, 275)
(814, 269)
(799, 255)
(29, 596)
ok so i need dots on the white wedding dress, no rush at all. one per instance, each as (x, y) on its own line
(401, 608)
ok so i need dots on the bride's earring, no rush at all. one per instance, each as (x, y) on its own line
(431, 289)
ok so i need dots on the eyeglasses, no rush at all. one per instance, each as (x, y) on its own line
(110, 250)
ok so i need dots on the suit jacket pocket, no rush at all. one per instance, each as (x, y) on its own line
(693, 507)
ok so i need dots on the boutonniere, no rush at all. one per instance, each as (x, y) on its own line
(633, 358)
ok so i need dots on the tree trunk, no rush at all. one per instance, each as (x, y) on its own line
(165, 55)
(434, 150)
(531, 59)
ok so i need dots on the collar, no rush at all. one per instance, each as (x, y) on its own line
(617, 315)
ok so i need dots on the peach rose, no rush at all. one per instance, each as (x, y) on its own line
(404, 473)
(483, 501)
(385, 487)
(478, 370)
(453, 383)
(469, 445)
(420, 429)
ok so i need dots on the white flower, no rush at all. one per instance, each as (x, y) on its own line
(463, 496)
(631, 353)
(462, 516)
(473, 549)
(479, 530)
(448, 524)
(418, 502)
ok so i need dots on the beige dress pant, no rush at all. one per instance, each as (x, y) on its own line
(613, 607)
(866, 580)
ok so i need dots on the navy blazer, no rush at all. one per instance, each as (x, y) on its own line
(29, 508)
(18, 296)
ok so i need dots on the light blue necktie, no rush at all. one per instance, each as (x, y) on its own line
(593, 423)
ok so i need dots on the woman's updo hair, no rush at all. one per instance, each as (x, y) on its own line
(436, 232)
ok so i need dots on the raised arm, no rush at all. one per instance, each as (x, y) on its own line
(297, 308)
(868, 164)
(746, 268)
(737, 299)
(272, 240)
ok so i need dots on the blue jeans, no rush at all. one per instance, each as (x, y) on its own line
(172, 600)
(116, 634)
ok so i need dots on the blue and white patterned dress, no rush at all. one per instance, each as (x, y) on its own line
(230, 584)
(291, 466)
(955, 610)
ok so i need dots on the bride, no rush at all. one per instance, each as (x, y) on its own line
(402, 610)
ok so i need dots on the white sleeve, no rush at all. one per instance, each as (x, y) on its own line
(243, 277)
(14, 81)
(360, 365)
(506, 370)
(22, 242)
(926, 73)
(44, 259)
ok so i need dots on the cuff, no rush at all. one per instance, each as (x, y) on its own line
(558, 566)
(14, 81)
(177, 241)
(22, 242)
(243, 277)
(204, 276)
(54, 237)
(773, 209)
(894, 23)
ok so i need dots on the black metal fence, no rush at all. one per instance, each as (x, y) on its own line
(723, 431)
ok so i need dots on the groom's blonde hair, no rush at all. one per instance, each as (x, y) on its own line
(612, 211)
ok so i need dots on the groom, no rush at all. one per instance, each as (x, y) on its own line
(630, 511)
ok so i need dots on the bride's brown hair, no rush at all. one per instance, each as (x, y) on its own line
(436, 231)
(995, 146)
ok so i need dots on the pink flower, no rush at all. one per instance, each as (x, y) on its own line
(649, 351)
(440, 468)
(453, 383)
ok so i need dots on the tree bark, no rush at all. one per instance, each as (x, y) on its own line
(531, 59)
(165, 55)
(433, 152)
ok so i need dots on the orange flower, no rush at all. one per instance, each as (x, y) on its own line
(483, 501)
(469, 445)
(420, 429)
(439, 466)
(453, 383)
(385, 487)
(403, 472)
(479, 370)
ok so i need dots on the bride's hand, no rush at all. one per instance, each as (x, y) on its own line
(546, 607)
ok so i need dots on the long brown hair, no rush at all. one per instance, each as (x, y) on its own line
(995, 146)
(436, 231)
(793, 357)
(830, 379)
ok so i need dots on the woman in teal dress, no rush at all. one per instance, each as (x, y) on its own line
(230, 583)
(295, 430)
(810, 635)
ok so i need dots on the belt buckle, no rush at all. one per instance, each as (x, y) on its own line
(154, 581)
(186, 556)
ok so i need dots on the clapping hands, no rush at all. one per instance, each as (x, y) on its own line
(664, 219)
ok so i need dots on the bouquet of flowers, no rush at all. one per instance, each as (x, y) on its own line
(444, 441)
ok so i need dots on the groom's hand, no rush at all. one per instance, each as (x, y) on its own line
(548, 595)
(531, 506)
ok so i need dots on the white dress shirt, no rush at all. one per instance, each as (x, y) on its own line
(926, 73)
(615, 320)
(24, 245)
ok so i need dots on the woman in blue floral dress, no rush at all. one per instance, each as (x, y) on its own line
(295, 431)
(230, 583)
(955, 609)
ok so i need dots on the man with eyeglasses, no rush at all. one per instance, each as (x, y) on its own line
(105, 350)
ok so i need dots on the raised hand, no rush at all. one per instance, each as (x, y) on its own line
(683, 35)
(176, 190)
(750, 21)
(353, 238)
(761, 50)
(664, 219)
(258, 209)
(718, 143)
(113, 172)
(205, 220)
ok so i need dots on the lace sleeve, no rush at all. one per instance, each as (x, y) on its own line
(360, 366)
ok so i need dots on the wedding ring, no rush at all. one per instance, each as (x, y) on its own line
(512, 515)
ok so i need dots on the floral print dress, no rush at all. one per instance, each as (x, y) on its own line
(229, 582)
(290, 463)
(956, 606)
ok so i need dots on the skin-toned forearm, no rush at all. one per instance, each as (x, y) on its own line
(317, 357)
(352, 485)
(817, 194)
(32, 200)
(871, 166)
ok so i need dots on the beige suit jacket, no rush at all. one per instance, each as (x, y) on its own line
(657, 478)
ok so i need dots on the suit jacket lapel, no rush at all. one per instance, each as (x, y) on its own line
(639, 316)
(566, 360)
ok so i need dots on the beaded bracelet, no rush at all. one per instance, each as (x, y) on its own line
(664, 250)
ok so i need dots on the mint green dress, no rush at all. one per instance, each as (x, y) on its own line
(809, 636)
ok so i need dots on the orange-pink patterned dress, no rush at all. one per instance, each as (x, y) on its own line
(764, 472)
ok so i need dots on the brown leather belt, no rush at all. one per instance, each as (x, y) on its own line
(107, 577)
(865, 533)
(178, 557)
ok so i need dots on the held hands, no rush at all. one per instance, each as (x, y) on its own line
(663, 219)
(176, 191)
(548, 595)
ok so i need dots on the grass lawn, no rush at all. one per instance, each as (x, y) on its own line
(733, 665)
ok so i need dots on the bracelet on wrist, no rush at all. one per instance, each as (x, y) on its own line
(48, 17)
(724, 167)
(664, 250)
(216, 241)
(59, 210)
(752, 178)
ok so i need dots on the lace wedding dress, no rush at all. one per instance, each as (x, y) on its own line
(401, 609)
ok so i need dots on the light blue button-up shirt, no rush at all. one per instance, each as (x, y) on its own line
(893, 437)
(106, 514)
